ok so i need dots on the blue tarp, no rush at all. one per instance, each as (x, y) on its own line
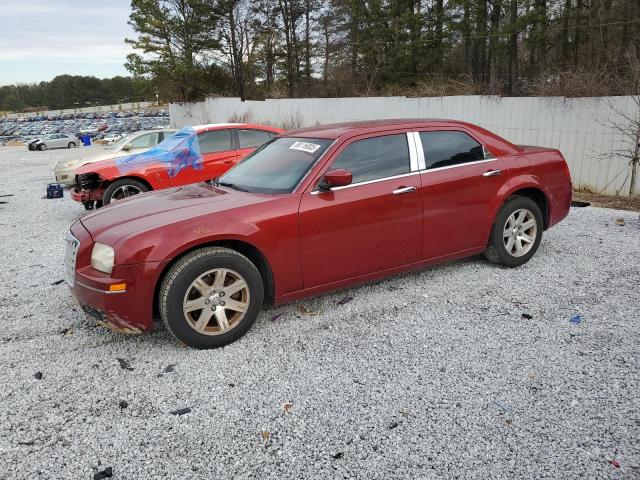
(179, 151)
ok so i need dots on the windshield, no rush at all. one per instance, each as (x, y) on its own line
(277, 166)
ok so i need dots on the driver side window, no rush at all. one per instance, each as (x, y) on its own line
(375, 158)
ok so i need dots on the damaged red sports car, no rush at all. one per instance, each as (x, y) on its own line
(191, 155)
(313, 210)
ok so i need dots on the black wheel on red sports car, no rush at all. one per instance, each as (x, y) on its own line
(516, 233)
(211, 297)
(122, 189)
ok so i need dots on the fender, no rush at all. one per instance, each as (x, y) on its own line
(520, 182)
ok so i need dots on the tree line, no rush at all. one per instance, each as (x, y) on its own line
(67, 91)
(297, 48)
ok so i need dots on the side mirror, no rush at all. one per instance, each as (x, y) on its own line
(336, 178)
(127, 146)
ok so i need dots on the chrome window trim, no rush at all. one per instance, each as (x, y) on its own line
(413, 152)
(458, 165)
(420, 151)
(368, 182)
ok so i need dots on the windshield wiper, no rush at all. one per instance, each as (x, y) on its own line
(230, 185)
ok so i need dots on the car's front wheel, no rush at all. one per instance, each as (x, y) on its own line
(516, 233)
(211, 297)
(122, 189)
(71, 145)
(42, 147)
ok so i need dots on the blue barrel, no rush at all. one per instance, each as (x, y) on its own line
(86, 140)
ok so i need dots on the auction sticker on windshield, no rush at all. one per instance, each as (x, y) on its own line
(305, 147)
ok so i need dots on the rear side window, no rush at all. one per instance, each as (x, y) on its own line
(375, 158)
(443, 149)
(216, 141)
(253, 138)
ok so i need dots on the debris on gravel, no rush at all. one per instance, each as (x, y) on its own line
(431, 350)
(181, 411)
(124, 364)
(106, 473)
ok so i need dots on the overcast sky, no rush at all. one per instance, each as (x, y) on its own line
(40, 39)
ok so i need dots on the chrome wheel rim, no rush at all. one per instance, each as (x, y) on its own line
(520, 232)
(125, 191)
(216, 301)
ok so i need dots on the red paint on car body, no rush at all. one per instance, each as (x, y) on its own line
(313, 241)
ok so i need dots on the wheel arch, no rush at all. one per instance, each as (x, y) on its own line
(107, 182)
(538, 196)
(250, 251)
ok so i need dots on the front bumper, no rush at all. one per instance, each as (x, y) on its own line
(64, 177)
(85, 195)
(127, 311)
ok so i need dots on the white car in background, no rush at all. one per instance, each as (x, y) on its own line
(55, 140)
(110, 139)
(135, 143)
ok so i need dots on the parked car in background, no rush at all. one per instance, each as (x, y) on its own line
(55, 140)
(32, 143)
(311, 211)
(112, 138)
(135, 143)
(192, 155)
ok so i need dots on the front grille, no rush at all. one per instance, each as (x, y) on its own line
(71, 255)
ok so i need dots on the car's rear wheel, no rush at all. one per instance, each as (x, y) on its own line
(516, 233)
(124, 188)
(211, 297)
(71, 145)
(42, 147)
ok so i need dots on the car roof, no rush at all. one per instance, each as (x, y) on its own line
(215, 126)
(153, 130)
(349, 129)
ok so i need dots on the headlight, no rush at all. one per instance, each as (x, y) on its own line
(102, 257)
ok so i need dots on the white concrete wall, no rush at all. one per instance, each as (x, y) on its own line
(574, 125)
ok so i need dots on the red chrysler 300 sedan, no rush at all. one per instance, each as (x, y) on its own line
(311, 211)
(191, 155)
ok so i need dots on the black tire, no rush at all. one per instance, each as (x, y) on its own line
(42, 147)
(71, 145)
(178, 280)
(496, 251)
(115, 187)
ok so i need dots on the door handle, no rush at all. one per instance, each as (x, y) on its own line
(492, 173)
(229, 162)
(401, 190)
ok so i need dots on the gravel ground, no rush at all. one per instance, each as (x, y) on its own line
(466, 370)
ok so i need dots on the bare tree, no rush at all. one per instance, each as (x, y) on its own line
(627, 123)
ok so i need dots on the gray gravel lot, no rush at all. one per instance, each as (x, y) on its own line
(433, 374)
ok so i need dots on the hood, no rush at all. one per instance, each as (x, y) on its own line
(94, 166)
(100, 155)
(161, 208)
